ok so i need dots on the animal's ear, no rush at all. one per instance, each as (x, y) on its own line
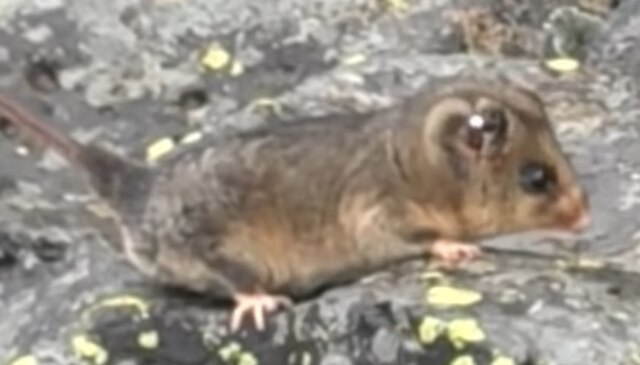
(470, 130)
(483, 135)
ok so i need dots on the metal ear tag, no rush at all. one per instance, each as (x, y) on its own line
(477, 122)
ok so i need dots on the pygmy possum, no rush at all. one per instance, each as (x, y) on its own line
(267, 215)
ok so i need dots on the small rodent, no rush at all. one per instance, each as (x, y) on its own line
(279, 212)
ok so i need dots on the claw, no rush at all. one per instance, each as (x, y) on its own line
(452, 253)
(257, 304)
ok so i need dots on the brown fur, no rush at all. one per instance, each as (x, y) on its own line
(290, 209)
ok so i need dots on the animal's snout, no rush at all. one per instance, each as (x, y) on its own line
(582, 222)
(575, 208)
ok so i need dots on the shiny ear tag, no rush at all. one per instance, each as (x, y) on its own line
(475, 135)
(486, 137)
(476, 121)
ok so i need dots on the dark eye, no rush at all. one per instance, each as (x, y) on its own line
(536, 178)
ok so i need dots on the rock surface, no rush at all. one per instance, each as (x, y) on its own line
(127, 72)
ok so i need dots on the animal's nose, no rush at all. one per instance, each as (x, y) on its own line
(578, 210)
(582, 221)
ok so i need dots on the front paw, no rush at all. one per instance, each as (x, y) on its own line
(453, 253)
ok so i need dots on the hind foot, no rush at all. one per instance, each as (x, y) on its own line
(257, 305)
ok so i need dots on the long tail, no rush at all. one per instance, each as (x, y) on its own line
(47, 136)
(121, 182)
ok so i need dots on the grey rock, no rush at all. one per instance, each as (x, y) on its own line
(4, 54)
(386, 345)
(39, 34)
(336, 359)
(52, 161)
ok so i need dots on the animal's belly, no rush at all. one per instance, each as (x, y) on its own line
(314, 271)
(308, 276)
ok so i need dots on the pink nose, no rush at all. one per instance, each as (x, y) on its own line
(576, 205)
(582, 222)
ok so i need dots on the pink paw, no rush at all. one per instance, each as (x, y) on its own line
(256, 305)
(452, 253)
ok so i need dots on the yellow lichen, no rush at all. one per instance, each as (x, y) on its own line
(232, 353)
(25, 360)
(148, 339)
(140, 307)
(191, 137)
(127, 301)
(272, 104)
(228, 351)
(430, 328)
(562, 64)
(247, 359)
(159, 148)
(464, 330)
(588, 263)
(354, 59)
(395, 6)
(215, 58)
(444, 296)
(463, 360)
(503, 360)
(86, 349)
